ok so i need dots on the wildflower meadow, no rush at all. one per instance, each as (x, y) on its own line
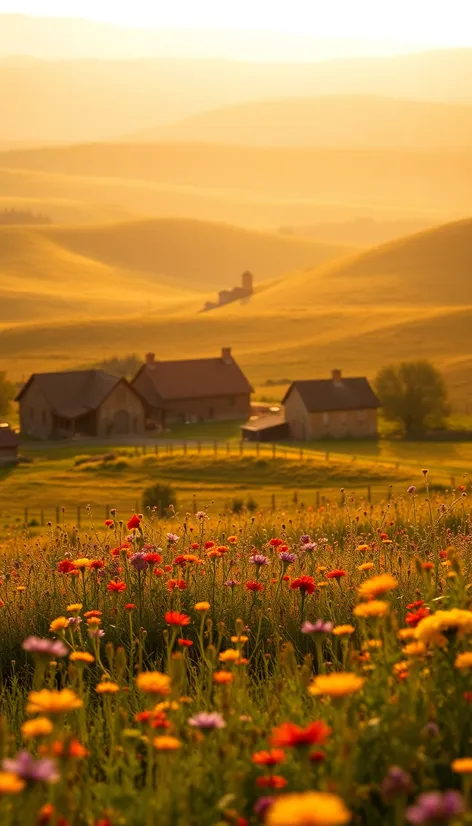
(305, 668)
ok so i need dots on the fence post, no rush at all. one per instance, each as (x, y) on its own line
(215, 448)
(317, 498)
(327, 456)
(78, 516)
(273, 501)
(258, 448)
(369, 494)
(42, 518)
(159, 508)
(156, 449)
(194, 504)
(57, 515)
(185, 448)
(228, 448)
(107, 511)
(274, 450)
(171, 449)
(241, 447)
(26, 516)
(301, 454)
(144, 450)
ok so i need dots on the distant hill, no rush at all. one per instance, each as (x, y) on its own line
(408, 299)
(84, 100)
(250, 186)
(142, 266)
(344, 121)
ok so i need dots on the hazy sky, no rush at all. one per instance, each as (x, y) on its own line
(428, 22)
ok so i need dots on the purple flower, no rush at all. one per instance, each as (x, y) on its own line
(287, 557)
(431, 729)
(45, 647)
(26, 767)
(305, 539)
(396, 782)
(96, 633)
(436, 807)
(138, 561)
(259, 559)
(412, 489)
(207, 720)
(309, 547)
(318, 627)
(262, 805)
(200, 515)
(231, 583)
(172, 538)
(74, 622)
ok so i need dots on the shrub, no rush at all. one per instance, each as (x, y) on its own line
(160, 496)
(237, 505)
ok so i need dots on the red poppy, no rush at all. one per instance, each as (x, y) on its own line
(130, 606)
(414, 617)
(152, 558)
(384, 535)
(289, 734)
(254, 585)
(317, 757)
(268, 758)
(208, 545)
(124, 547)
(427, 566)
(175, 584)
(222, 549)
(180, 560)
(305, 584)
(96, 564)
(134, 522)
(336, 574)
(116, 586)
(413, 605)
(185, 643)
(143, 716)
(176, 618)
(109, 523)
(286, 578)
(272, 781)
(194, 546)
(467, 696)
(274, 543)
(92, 613)
(158, 572)
(168, 568)
(66, 566)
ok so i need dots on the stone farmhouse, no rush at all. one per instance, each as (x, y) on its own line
(79, 403)
(337, 407)
(194, 390)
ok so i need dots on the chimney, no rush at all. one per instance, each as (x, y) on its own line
(226, 355)
(336, 376)
(150, 358)
(247, 282)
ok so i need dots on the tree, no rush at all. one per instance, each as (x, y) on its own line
(160, 496)
(7, 393)
(413, 394)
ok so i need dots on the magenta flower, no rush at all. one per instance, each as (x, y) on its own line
(435, 807)
(259, 560)
(45, 647)
(139, 561)
(287, 558)
(318, 627)
(26, 767)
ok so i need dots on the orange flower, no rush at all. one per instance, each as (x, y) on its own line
(222, 677)
(116, 587)
(176, 618)
(272, 781)
(289, 734)
(268, 758)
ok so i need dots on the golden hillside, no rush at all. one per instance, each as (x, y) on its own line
(250, 186)
(136, 266)
(327, 121)
(408, 299)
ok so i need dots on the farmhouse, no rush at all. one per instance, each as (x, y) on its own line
(8, 445)
(194, 390)
(337, 407)
(79, 403)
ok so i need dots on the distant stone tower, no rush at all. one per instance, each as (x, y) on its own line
(247, 282)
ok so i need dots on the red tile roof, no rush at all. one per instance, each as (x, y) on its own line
(191, 379)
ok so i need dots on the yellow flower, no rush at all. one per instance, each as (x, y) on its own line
(53, 702)
(321, 569)
(82, 563)
(75, 608)
(401, 667)
(406, 633)
(40, 727)
(337, 684)
(463, 660)
(10, 783)
(202, 606)
(107, 687)
(414, 649)
(323, 584)
(166, 743)
(362, 548)
(229, 656)
(366, 566)
(59, 624)
(463, 765)
(308, 809)
(167, 705)
(81, 657)
(372, 644)
(343, 630)
(376, 586)
(374, 608)
(431, 630)
(21, 588)
(92, 621)
(153, 682)
(242, 639)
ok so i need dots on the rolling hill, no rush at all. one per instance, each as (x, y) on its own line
(139, 266)
(250, 186)
(71, 100)
(407, 299)
(342, 121)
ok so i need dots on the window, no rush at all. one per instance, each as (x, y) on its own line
(325, 418)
